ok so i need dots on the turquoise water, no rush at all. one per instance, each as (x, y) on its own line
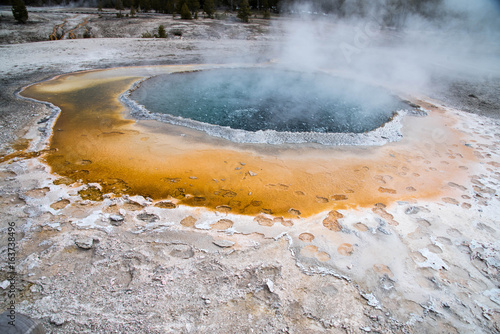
(255, 99)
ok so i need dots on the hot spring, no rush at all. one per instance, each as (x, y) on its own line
(106, 149)
(291, 106)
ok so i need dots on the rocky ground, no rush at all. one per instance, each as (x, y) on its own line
(127, 264)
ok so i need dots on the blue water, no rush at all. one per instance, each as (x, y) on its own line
(255, 99)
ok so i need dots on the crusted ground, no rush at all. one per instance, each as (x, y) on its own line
(129, 264)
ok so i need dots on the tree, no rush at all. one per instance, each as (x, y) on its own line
(244, 11)
(119, 7)
(194, 5)
(266, 14)
(169, 7)
(161, 32)
(132, 11)
(185, 13)
(209, 8)
(145, 5)
(19, 11)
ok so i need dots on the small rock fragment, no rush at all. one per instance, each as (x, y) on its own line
(223, 243)
(84, 242)
(148, 217)
(116, 220)
(57, 320)
(252, 173)
(182, 252)
(270, 285)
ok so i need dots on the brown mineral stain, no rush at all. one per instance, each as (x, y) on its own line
(91, 193)
(222, 224)
(382, 269)
(345, 249)
(60, 204)
(384, 214)
(38, 193)
(361, 227)
(309, 251)
(450, 200)
(166, 205)
(322, 256)
(331, 221)
(306, 237)
(94, 142)
(189, 221)
(264, 221)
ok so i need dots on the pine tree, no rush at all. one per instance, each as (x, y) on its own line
(209, 8)
(266, 14)
(161, 32)
(185, 13)
(132, 11)
(244, 11)
(119, 7)
(19, 11)
(194, 5)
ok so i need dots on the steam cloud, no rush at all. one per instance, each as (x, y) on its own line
(392, 45)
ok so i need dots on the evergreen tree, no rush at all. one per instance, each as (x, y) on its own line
(194, 5)
(244, 11)
(178, 5)
(161, 32)
(169, 7)
(19, 11)
(132, 11)
(119, 7)
(185, 13)
(156, 5)
(209, 8)
(145, 5)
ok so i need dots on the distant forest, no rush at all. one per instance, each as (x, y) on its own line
(340, 8)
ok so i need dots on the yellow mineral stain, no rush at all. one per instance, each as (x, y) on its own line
(94, 141)
(20, 148)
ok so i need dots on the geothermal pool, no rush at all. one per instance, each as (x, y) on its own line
(97, 141)
(256, 99)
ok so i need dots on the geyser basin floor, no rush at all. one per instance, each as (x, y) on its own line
(93, 142)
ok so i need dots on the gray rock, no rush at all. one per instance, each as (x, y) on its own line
(116, 220)
(84, 242)
(44, 120)
(148, 217)
(182, 252)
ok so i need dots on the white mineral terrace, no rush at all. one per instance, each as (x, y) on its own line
(132, 225)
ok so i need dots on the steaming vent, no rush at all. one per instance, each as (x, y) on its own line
(267, 105)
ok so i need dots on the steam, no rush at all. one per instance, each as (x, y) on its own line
(402, 47)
